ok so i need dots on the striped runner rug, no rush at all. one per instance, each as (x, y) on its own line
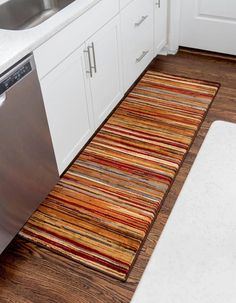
(101, 210)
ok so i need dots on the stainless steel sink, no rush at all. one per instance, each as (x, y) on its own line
(23, 14)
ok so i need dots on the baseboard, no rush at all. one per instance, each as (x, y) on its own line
(165, 50)
(171, 51)
(161, 48)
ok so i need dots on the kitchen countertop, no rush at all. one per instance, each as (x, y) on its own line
(14, 45)
(195, 258)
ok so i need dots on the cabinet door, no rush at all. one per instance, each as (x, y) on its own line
(160, 25)
(208, 25)
(67, 107)
(137, 39)
(105, 77)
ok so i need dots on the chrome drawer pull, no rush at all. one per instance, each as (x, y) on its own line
(144, 53)
(141, 21)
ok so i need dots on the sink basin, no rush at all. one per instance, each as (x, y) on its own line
(23, 14)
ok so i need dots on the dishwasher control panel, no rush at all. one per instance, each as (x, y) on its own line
(15, 76)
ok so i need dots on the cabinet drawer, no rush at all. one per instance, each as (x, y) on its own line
(137, 38)
(57, 48)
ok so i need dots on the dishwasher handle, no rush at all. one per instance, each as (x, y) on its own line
(2, 98)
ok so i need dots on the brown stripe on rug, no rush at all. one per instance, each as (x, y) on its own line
(102, 208)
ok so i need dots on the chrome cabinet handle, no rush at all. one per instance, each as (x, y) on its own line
(90, 71)
(158, 3)
(94, 58)
(141, 20)
(144, 53)
(94, 66)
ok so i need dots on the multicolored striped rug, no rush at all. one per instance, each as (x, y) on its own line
(102, 209)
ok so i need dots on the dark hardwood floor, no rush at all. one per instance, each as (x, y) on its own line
(30, 274)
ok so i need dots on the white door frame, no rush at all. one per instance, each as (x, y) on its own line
(173, 26)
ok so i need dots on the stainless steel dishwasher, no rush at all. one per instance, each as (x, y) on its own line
(28, 169)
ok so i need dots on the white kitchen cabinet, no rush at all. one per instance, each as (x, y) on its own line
(160, 25)
(104, 70)
(81, 91)
(137, 39)
(85, 68)
(68, 108)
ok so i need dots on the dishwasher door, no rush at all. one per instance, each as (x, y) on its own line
(28, 169)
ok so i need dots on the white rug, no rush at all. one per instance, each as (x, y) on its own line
(195, 258)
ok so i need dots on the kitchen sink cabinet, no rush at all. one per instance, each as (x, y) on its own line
(105, 77)
(63, 43)
(68, 109)
(81, 91)
(85, 68)
(160, 25)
